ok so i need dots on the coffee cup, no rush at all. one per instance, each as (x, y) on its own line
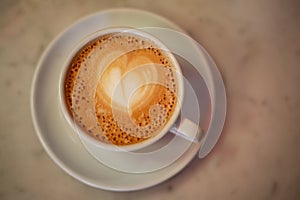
(121, 89)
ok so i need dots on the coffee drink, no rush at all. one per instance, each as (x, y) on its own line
(121, 88)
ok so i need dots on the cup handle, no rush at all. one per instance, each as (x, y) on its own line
(188, 130)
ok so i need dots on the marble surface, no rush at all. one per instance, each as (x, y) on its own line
(256, 46)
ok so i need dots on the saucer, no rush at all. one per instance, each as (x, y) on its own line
(60, 141)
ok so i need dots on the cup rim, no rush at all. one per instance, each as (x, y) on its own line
(85, 136)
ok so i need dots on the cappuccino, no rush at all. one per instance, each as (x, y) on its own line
(121, 88)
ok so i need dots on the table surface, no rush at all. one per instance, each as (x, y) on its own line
(255, 44)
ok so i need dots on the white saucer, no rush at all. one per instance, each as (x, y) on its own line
(59, 140)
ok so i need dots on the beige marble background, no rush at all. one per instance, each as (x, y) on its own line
(256, 46)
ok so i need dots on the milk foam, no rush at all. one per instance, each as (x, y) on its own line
(121, 89)
(125, 84)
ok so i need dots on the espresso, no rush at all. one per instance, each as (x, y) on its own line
(121, 88)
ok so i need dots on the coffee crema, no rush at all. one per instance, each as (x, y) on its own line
(121, 88)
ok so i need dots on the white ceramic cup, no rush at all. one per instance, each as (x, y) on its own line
(184, 128)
